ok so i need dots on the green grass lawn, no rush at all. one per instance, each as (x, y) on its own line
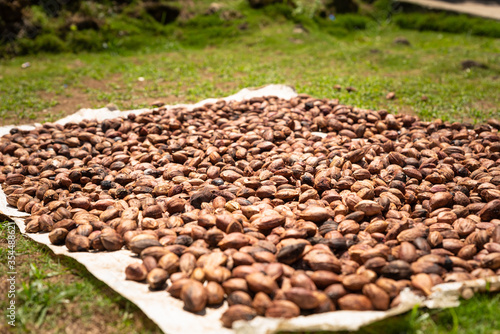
(198, 60)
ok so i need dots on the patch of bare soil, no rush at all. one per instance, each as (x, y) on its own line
(485, 105)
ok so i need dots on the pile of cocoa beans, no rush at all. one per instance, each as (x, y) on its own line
(279, 207)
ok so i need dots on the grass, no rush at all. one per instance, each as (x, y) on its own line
(56, 85)
(205, 57)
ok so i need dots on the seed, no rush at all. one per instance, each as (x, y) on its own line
(169, 262)
(303, 298)
(58, 236)
(355, 282)
(194, 296)
(237, 312)
(156, 278)
(282, 309)
(264, 206)
(491, 261)
(215, 293)
(291, 253)
(270, 219)
(136, 272)
(369, 208)
(77, 243)
(378, 297)
(261, 303)
(175, 288)
(239, 297)
(258, 282)
(142, 241)
(111, 240)
(422, 282)
(355, 303)
(315, 214)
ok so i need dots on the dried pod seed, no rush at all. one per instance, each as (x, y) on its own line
(194, 296)
(33, 226)
(440, 199)
(217, 274)
(467, 252)
(77, 243)
(175, 288)
(369, 208)
(389, 286)
(315, 214)
(95, 241)
(355, 282)
(301, 279)
(187, 263)
(261, 302)
(234, 240)
(111, 240)
(215, 293)
(321, 260)
(258, 282)
(491, 261)
(175, 205)
(198, 274)
(397, 269)
(269, 219)
(422, 282)
(150, 262)
(412, 234)
(142, 241)
(375, 264)
(325, 304)
(335, 291)
(46, 223)
(435, 239)
(282, 309)
(490, 211)
(407, 252)
(237, 312)
(453, 245)
(378, 297)
(291, 253)
(239, 297)
(324, 278)
(355, 303)
(84, 230)
(58, 236)
(136, 272)
(427, 267)
(303, 298)
(67, 224)
(235, 284)
(155, 252)
(169, 262)
(156, 278)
